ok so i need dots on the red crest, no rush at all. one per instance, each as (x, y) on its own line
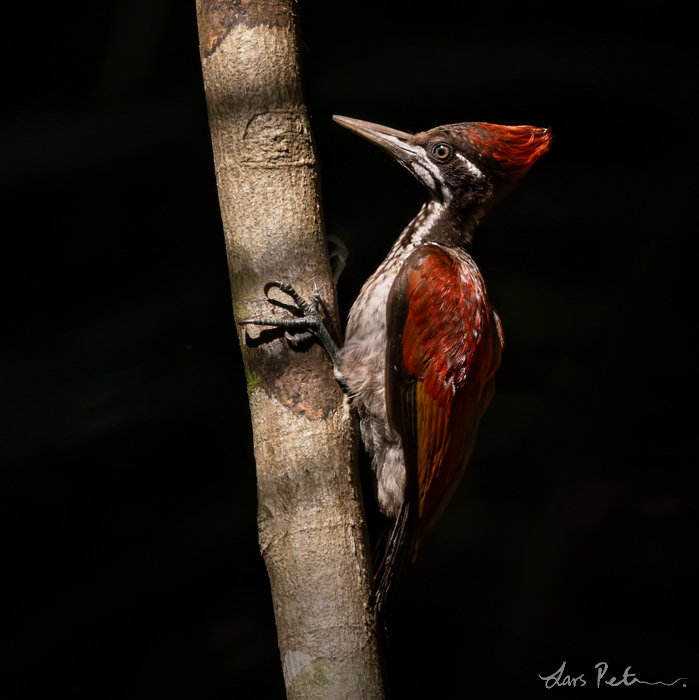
(512, 149)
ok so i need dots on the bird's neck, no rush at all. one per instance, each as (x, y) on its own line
(442, 223)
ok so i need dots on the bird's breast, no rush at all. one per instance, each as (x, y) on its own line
(362, 357)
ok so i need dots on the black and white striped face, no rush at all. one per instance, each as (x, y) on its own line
(437, 158)
(442, 163)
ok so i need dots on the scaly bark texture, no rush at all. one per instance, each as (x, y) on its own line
(311, 524)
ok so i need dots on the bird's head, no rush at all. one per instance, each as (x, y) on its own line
(466, 164)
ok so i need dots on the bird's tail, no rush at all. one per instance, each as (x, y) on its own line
(393, 560)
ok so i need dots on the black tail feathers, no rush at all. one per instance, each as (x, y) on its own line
(393, 559)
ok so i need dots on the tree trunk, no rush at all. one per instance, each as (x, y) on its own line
(310, 513)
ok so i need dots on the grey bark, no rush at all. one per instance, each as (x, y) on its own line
(310, 513)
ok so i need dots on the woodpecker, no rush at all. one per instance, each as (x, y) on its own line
(423, 342)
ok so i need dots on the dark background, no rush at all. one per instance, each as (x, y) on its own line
(128, 505)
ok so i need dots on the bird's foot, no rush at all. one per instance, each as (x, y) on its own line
(309, 323)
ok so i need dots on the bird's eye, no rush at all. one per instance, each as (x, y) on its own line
(442, 152)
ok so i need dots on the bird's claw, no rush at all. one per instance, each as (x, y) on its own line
(310, 322)
(308, 311)
(283, 286)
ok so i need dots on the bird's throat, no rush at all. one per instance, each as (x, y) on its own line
(441, 223)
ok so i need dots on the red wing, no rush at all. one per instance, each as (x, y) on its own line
(444, 347)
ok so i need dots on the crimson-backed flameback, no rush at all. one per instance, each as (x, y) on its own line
(423, 342)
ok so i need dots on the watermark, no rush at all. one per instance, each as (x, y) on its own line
(560, 678)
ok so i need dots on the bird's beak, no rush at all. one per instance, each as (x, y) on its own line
(391, 140)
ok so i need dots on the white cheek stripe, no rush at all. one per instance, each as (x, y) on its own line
(430, 165)
(423, 174)
(421, 170)
(426, 171)
(471, 167)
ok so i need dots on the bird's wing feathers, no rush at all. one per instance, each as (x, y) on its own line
(443, 349)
